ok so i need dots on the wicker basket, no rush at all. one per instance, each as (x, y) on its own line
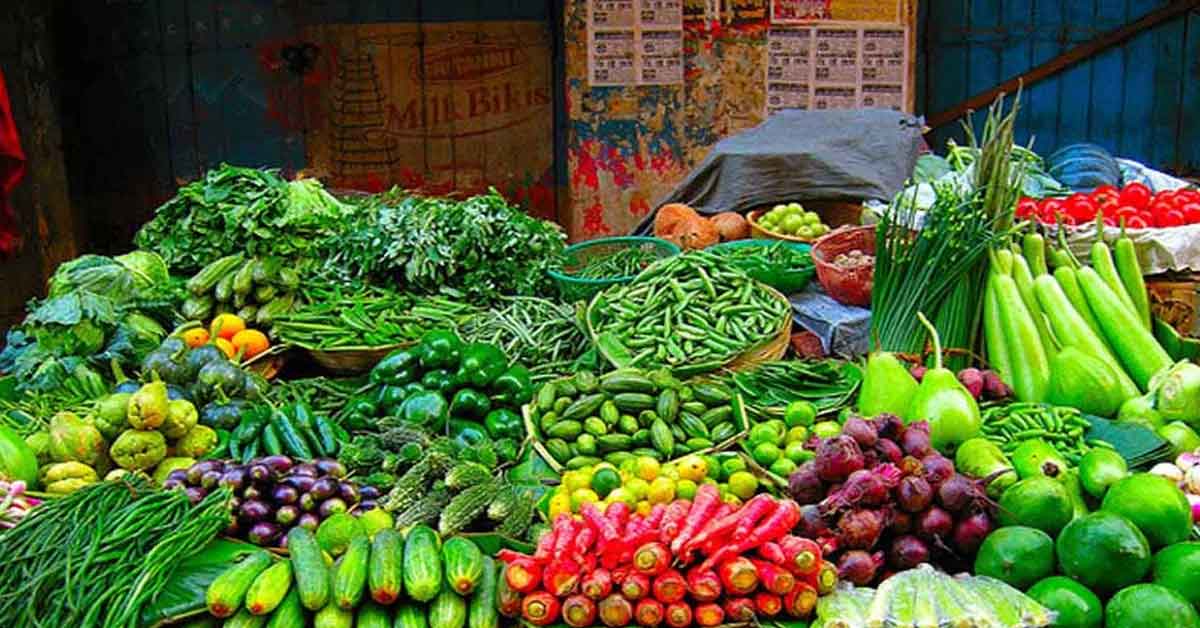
(268, 363)
(769, 350)
(851, 286)
(833, 213)
(352, 360)
(573, 288)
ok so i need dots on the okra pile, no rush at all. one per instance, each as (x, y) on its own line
(584, 419)
(694, 312)
(1061, 426)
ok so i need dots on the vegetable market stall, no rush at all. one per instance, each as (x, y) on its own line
(473, 424)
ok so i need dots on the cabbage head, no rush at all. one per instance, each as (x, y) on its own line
(1178, 393)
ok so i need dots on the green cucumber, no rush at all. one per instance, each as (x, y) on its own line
(422, 563)
(293, 441)
(289, 613)
(712, 394)
(268, 589)
(565, 429)
(385, 571)
(333, 617)
(311, 574)
(448, 610)
(350, 574)
(411, 615)
(661, 437)
(227, 592)
(372, 615)
(482, 611)
(693, 427)
(244, 619)
(463, 563)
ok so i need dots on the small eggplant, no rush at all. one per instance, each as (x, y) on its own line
(302, 483)
(309, 521)
(369, 492)
(179, 475)
(348, 492)
(234, 478)
(260, 472)
(284, 494)
(253, 492)
(173, 483)
(279, 464)
(254, 510)
(324, 488)
(331, 467)
(210, 479)
(287, 515)
(308, 502)
(367, 504)
(306, 468)
(332, 506)
(262, 533)
(197, 471)
(195, 494)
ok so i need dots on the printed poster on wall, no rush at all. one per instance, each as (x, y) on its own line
(635, 42)
(841, 66)
(799, 11)
(438, 107)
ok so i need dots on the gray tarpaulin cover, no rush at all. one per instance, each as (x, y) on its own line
(803, 156)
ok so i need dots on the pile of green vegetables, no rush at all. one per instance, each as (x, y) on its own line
(258, 289)
(531, 330)
(624, 262)
(241, 210)
(692, 312)
(770, 387)
(337, 317)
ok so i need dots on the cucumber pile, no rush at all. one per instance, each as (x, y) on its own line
(386, 580)
(256, 289)
(585, 419)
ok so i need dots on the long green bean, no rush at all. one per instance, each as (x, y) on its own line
(541, 334)
(366, 317)
(829, 384)
(624, 262)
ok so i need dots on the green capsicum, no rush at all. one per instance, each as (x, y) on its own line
(427, 409)
(506, 449)
(469, 403)
(398, 367)
(504, 423)
(414, 388)
(439, 349)
(467, 433)
(481, 364)
(387, 397)
(514, 386)
(440, 380)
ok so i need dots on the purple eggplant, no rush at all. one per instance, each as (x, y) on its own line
(263, 533)
(279, 464)
(309, 521)
(234, 529)
(332, 506)
(210, 479)
(197, 471)
(367, 504)
(254, 510)
(260, 473)
(234, 478)
(284, 494)
(195, 494)
(179, 475)
(287, 515)
(308, 502)
(330, 467)
(306, 468)
(367, 491)
(253, 492)
(301, 482)
(173, 483)
(348, 492)
(324, 488)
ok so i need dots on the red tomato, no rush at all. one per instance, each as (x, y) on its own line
(1110, 221)
(1159, 209)
(1104, 190)
(1107, 200)
(1050, 206)
(1135, 194)
(1069, 220)
(1125, 211)
(1078, 196)
(1189, 196)
(1147, 218)
(1082, 209)
(1173, 218)
(1163, 197)
(1026, 208)
(1136, 222)
(1191, 213)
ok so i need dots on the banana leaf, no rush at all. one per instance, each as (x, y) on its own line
(184, 594)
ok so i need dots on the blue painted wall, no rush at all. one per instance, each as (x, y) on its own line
(1139, 100)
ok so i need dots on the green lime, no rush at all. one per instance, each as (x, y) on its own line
(766, 454)
(796, 452)
(743, 484)
(1018, 555)
(1149, 606)
(1037, 502)
(1075, 604)
(685, 489)
(763, 433)
(374, 520)
(783, 467)
(1154, 504)
(826, 429)
(797, 434)
(335, 533)
(1177, 567)
(714, 467)
(604, 481)
(800, 414)
(1104, 551)
(732, 465)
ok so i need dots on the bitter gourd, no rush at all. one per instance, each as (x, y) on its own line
(413, 484)
(521, 516)
(426, 509)
(503, 503)
(465, 506)
(466, 474)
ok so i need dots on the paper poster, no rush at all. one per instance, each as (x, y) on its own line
(807, 11)
(789, 55)
(635, 42)
(841, 66)
(882, 97)
(787, 96)
(835, 56)
(835, 98)
(883, 56)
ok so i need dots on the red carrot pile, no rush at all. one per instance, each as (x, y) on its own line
(701, 562)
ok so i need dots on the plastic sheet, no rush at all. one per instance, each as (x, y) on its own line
(844, 330)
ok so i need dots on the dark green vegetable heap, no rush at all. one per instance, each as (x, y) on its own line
(293, 430)
(768, 388)
(531, 330)
(470, 392)
(258, 290)
(98, 556)
(625, 262)
(240, 210)
(100, 311)
(691, 311)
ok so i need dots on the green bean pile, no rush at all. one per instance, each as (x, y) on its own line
(1061, 426)
(324, 395)
(96, 557)
(778, 254)
(363, 318)
(828, 384)
(541, 334)
(625, 262)
(693, 311)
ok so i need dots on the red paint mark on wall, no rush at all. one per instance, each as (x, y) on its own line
(585, 170)
(638, 205)
(593, 221)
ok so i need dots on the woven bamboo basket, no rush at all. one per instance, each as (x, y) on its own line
(268, 363)
(768, 350)
(352, 360)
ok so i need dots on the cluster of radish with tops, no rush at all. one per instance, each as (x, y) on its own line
(700, 562)
(879, 498)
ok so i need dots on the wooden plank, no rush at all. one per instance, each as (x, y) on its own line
(1137, 142)
(1068, 58)
(1107, 90)
(1043, 97)
(1074, 102)
(1189, 108)
(1169, 73)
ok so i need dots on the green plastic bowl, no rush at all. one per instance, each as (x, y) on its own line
(787, 280)
(574, 288)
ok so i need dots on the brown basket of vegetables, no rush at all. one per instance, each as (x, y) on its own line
(352, 360)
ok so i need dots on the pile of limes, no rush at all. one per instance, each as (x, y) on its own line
(778, 444)
(791, 219)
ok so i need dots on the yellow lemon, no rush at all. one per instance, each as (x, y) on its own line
(662, 490)
(643, 508)
(693, 468)
(623, 495)
(743, 484)
(647, 468)
(638, 487)
(560, 503)
(581, 496)
(685, 489)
